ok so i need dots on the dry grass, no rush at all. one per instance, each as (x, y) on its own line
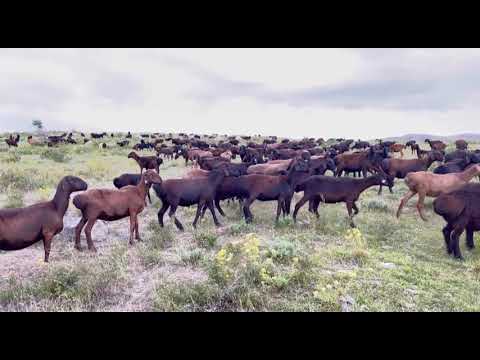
(316, 265)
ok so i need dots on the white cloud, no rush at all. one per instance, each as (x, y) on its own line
(289, 92)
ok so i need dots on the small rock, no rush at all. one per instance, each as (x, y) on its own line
(347, 302)
(389, 265)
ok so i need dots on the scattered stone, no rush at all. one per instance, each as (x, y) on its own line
(347, 303)
(411, 291)
(389, 265)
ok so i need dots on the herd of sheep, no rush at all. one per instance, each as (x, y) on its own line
(268, 170)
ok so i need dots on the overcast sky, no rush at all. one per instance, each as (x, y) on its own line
(358, 93)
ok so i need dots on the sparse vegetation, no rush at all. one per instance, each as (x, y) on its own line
(316, 265)
(57, 155)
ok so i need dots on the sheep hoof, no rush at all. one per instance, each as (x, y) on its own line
(460, 258)
(92, 248)
(78, 247)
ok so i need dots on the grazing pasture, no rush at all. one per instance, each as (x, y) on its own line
(384, 264)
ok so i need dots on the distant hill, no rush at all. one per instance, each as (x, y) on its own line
(469, 137)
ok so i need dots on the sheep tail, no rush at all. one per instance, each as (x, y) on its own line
(79, 202)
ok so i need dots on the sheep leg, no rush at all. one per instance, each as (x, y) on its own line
(288, 202)
(246, 210)
(298, 205)
(212, 210)
(148, 194)
(137, 235)
(404, 201)
(447, 230)
(78, 232)
(350, 215)
(204, 209)
(47, 242)
(339, 171)
(355, 208)
(470, 243)
(279, 209)
(217, 205)
(420, 205)
(162, 212)
(132, 226)
(88, 234)
(171, 213)
(316, 204)
(200, 205)
(455, 239)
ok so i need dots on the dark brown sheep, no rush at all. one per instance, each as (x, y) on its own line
(186, 192)
(20, 228)
(333, 190)
(436, 144)
(111, 205)
(461, 144)
(460, 210)
(13, 141)
(146, 162)
(364, 161)
(262, 187)
(399, 168)
(167, 152)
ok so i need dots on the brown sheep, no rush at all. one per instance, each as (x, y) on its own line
(273, 167)
(20, 228)
(146, 162)
(111, 205)
(461, 144)
(426, 183)
(399, 168)
(397, 148)
(436, 144)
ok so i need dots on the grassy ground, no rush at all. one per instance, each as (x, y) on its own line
(316, 265)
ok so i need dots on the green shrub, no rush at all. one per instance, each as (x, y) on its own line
(151, 251)
(159, 237)
(192, 257)
(284, 223)
(185, 296)
(377, 205)
(282, 251)
(19, 178)
(57, 155)
(11, 157)
(14, 198)
(69, 287)
(241, 228)
(205, 239)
